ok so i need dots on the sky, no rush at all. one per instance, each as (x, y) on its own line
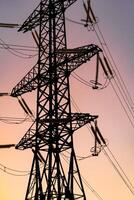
(115, 19)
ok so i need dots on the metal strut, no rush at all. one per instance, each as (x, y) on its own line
(51, 134)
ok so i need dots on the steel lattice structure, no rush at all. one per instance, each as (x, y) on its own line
(51, 134)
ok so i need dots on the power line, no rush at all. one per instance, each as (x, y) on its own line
(3, 146)
(73, 21)
(120, 77)
(125, 110)
(21, 47)
(16, 52)
(92, 189)
(23, 54)
(123, 92)
(105, 44)
(79, 157)
(127, 94)
(9, 25)
(8, 120)
(119, 173)
(13, 172)
(90, 84)
(125, 179)
(122, 89)
(87, 184)
(18, 120)
(120, 167)
(13, 120)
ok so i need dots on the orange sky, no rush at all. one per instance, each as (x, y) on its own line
(114, 20)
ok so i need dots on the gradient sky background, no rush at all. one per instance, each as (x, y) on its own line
(116, 22)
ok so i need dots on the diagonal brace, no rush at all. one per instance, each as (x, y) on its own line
(72, 57)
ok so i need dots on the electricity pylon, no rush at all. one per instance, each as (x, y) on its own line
(51, 135)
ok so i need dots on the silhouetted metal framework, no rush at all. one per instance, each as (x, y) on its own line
(51, 135)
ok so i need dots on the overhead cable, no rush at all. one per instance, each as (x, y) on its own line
(15, 120)
(16, 52)
(122, 89)
(13, 172)
(120, 167)
(9, 25)
(87, 184)
(3, 146)
(120, 77)
(116, 166)
(119, 173)
(19, 47)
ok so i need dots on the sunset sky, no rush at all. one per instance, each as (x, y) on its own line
(116, 122)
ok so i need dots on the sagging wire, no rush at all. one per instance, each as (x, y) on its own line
(124, 108)
(120, 167)
(81, 80)
(20, 47)
(16, 52)
(127, 183)
(17, 120)
(116, 166)
(77, 156)
(120, 84)
(13, 172)
(11, 120)
(92, 189)
(91, 20)
(95, 131)
(122, 89)
(16, 172)
(85, 182)
(73, 21)
(89, 27)
(100, 142)
(119, 78)
(107, 72)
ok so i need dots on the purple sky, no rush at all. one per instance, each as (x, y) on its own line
(116, 23)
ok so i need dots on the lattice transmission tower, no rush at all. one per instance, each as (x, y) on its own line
(51, 134)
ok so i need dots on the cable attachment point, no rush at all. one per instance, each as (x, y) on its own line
(90, 20)
(100, 142)
(25, 107)
(3, 146)
(102, 67)
(4, 94)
